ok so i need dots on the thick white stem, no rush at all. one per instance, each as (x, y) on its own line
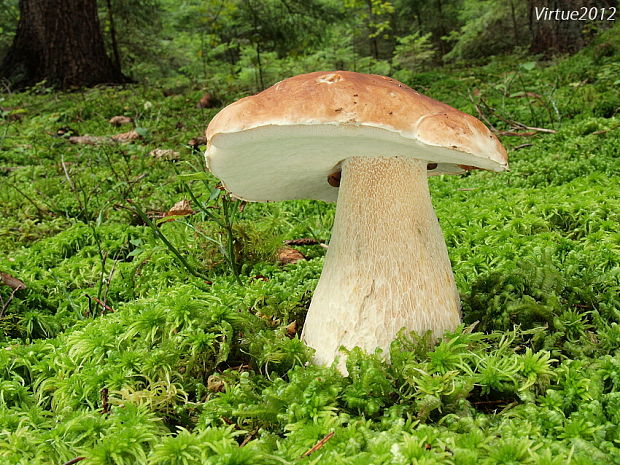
(387, 265)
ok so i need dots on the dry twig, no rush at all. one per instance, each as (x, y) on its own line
(6, 304)
(516, 128)
(75, 460)
(303, 241)
(522, 146)
(318, 445)
(248, 438)
(105, 405)
(14, 284)
(103, 304)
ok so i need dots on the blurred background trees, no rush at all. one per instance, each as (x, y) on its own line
(59, 42)
(246, 45)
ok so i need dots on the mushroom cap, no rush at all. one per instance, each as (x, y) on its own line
(284, 142)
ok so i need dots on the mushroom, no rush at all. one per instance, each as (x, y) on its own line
(369, 142)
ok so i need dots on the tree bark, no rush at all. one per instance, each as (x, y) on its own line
(59, 41)
(115, 52)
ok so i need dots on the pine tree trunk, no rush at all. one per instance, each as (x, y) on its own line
(59, 41)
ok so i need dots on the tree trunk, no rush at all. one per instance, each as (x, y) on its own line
(115, 52)
(515, 28)
(374, 46)
(59, 41)
(441, 29)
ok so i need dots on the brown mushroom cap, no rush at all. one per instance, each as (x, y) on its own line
(284, 142)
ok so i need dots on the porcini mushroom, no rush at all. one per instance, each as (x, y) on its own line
(368, 142)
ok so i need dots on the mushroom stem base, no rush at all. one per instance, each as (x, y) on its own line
(387, 265)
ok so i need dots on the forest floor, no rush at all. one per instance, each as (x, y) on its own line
(133, 333)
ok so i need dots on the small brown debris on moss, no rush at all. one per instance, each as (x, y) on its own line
(181, 208)
(165, 154)
(215, 384)
(291, 329)
(12, 282)
(288, 255)
(120, 120)
(127, 136)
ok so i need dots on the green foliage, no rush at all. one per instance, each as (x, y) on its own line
(375, 13)
(413, 53)
(134, 24)
(489, 27)
(9, 12)
(185, 368)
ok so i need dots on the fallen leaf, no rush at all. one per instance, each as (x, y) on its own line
(12, 282)
(89, 140)
(291, 329)
(127, 136)
(120, 120)
(288, 255)
(96, 140)
(180, 208)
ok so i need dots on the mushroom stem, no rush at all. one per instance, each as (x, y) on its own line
(387, 265)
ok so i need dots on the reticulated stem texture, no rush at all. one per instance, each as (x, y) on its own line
(387, 265)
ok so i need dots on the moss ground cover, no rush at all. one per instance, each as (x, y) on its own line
(116, 352)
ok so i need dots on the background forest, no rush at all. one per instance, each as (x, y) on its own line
(148, 318)
(245, 45)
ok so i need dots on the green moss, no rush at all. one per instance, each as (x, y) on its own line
(177, 368)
